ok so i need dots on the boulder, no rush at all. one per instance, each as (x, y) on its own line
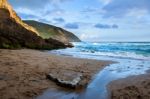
(64, 78)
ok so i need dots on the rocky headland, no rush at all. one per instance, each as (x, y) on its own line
(14, 33)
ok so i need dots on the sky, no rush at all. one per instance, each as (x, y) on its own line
(91, 20)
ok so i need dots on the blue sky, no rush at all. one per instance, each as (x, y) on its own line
(92, 20)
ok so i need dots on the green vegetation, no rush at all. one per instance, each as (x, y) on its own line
(45, 30)
(49, 31)
(6, 45)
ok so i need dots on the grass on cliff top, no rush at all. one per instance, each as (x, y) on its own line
(46, 31)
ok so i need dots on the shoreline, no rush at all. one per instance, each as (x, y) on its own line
(23, 72)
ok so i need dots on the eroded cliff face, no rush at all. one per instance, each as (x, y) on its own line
(4, 4)
(14, 35)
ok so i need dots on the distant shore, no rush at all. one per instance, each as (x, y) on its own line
(23, 72)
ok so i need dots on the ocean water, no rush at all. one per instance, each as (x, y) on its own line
(134, 50)
(132, 59)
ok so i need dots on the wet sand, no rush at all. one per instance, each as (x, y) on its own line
(23, 72)
(133, 87)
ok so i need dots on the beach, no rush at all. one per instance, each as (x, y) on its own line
(73, 73)
(133, 87)
(23, 73)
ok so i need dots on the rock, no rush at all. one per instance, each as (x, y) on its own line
(64, 78)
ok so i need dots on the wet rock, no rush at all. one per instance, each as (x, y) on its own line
(69, 79)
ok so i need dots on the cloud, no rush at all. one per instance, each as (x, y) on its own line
(106, 26)
(59, 20)
(55, 11)
(39, 8)
(105, 2)
(119, 8)
(139, 13)
(34, 4)
(89, 9)
(27, 16)
(114, 26)
(44, 21)
(72, 26)
(26, 11)
(57, 2)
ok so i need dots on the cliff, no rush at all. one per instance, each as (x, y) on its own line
(50, 31)
(4, 4)
(16, 34)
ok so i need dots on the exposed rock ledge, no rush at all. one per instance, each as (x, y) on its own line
(70, 79)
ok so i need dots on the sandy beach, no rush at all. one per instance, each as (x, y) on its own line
(23, 72)
(133, 87)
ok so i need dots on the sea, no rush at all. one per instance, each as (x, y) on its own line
(133, 50)
(132, 58)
